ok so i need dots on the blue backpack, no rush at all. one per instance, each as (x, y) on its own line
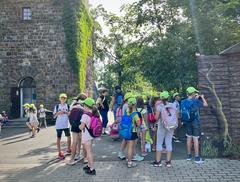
(119, 99)
(188, 112)
(125, 128)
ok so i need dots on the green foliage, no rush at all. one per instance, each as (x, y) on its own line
(78, 26)
(208, 149)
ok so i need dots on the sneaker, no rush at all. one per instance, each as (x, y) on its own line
(71, 163)
(91, 172)
(85, 161)
(104, 134)
(33, 136)
(86, 168)
(78, 157)
(198, 160)
(168, 164)
(157, 164)
(61, 156)
(144, 154)
(38, 129)
(121, 156)
(189, 157)
(68, 152)
(137, 158)
(131, 164)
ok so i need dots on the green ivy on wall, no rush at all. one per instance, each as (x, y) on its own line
(78, 26)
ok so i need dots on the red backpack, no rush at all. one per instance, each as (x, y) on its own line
(95, 129)
(151, 117)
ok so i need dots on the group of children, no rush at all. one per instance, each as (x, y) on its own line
(79, 114)
(34, 122)
(152, 122)
(161, 119)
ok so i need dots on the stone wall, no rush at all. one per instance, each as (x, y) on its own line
(34, 48)
(226, 78)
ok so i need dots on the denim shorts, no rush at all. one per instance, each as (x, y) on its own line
(193, 129)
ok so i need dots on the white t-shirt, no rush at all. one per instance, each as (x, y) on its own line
(33, 118)
(62, 120)
(85, 134)
(42, 113)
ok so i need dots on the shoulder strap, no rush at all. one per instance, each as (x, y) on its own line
(57, 107)
(68, 107)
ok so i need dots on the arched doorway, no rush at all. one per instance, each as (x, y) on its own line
(27, 88)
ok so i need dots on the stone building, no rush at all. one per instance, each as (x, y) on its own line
(222, 74)
(33, 62)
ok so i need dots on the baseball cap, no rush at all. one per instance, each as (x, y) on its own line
(127, 96)
(191, 90)
(175, 94)
(88, 102)
(63, 95)
(164, 95)
(132, 101)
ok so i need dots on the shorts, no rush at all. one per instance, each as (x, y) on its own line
(134, 136)
(193, 129)
(75, 129)
(66, 131)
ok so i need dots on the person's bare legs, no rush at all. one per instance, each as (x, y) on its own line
(123, 145)
(79, 143)
(143, 142)
(196, 146)
(88, 148)
(75, 137)
(130, 145)
(158, 156)
(189, 144)
(29, 125)
(59, 145)
(45, 122)
(69, 143)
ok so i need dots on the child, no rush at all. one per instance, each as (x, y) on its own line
(87, 139)
(26, 110)
(61, 112)
(176, 102)
(33, 121)
(76, 112)
(194, 102)
(124, 110)
(135, 123)
(42, 116)
(144, 126)
(5, 117)
(163, 134)
(103, 107)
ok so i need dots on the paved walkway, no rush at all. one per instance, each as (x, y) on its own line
(25, 159)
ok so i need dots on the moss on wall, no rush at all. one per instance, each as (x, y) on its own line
(78, 26)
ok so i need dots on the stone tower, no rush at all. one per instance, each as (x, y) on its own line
(33, 62)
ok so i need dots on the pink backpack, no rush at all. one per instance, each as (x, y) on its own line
(95, 129)
(119, 114)
(169, 116)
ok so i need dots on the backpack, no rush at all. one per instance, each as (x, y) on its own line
(119, 114)
(119, 99)
(151, 117)
(95, 129)
(125, 128)
(188, 113)
(169, 116)
(75, 116)
(140, 116)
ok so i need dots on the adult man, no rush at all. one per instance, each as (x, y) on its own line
(190, 116)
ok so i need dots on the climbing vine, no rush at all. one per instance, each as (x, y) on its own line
(78, 26)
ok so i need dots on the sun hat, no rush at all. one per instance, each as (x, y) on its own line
(164, 95)
(191, 90)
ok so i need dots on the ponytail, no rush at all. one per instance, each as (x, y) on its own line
(95, 112)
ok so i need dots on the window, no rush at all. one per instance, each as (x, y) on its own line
(26, 14)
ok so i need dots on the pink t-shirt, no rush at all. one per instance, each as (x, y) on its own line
(86, 137)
